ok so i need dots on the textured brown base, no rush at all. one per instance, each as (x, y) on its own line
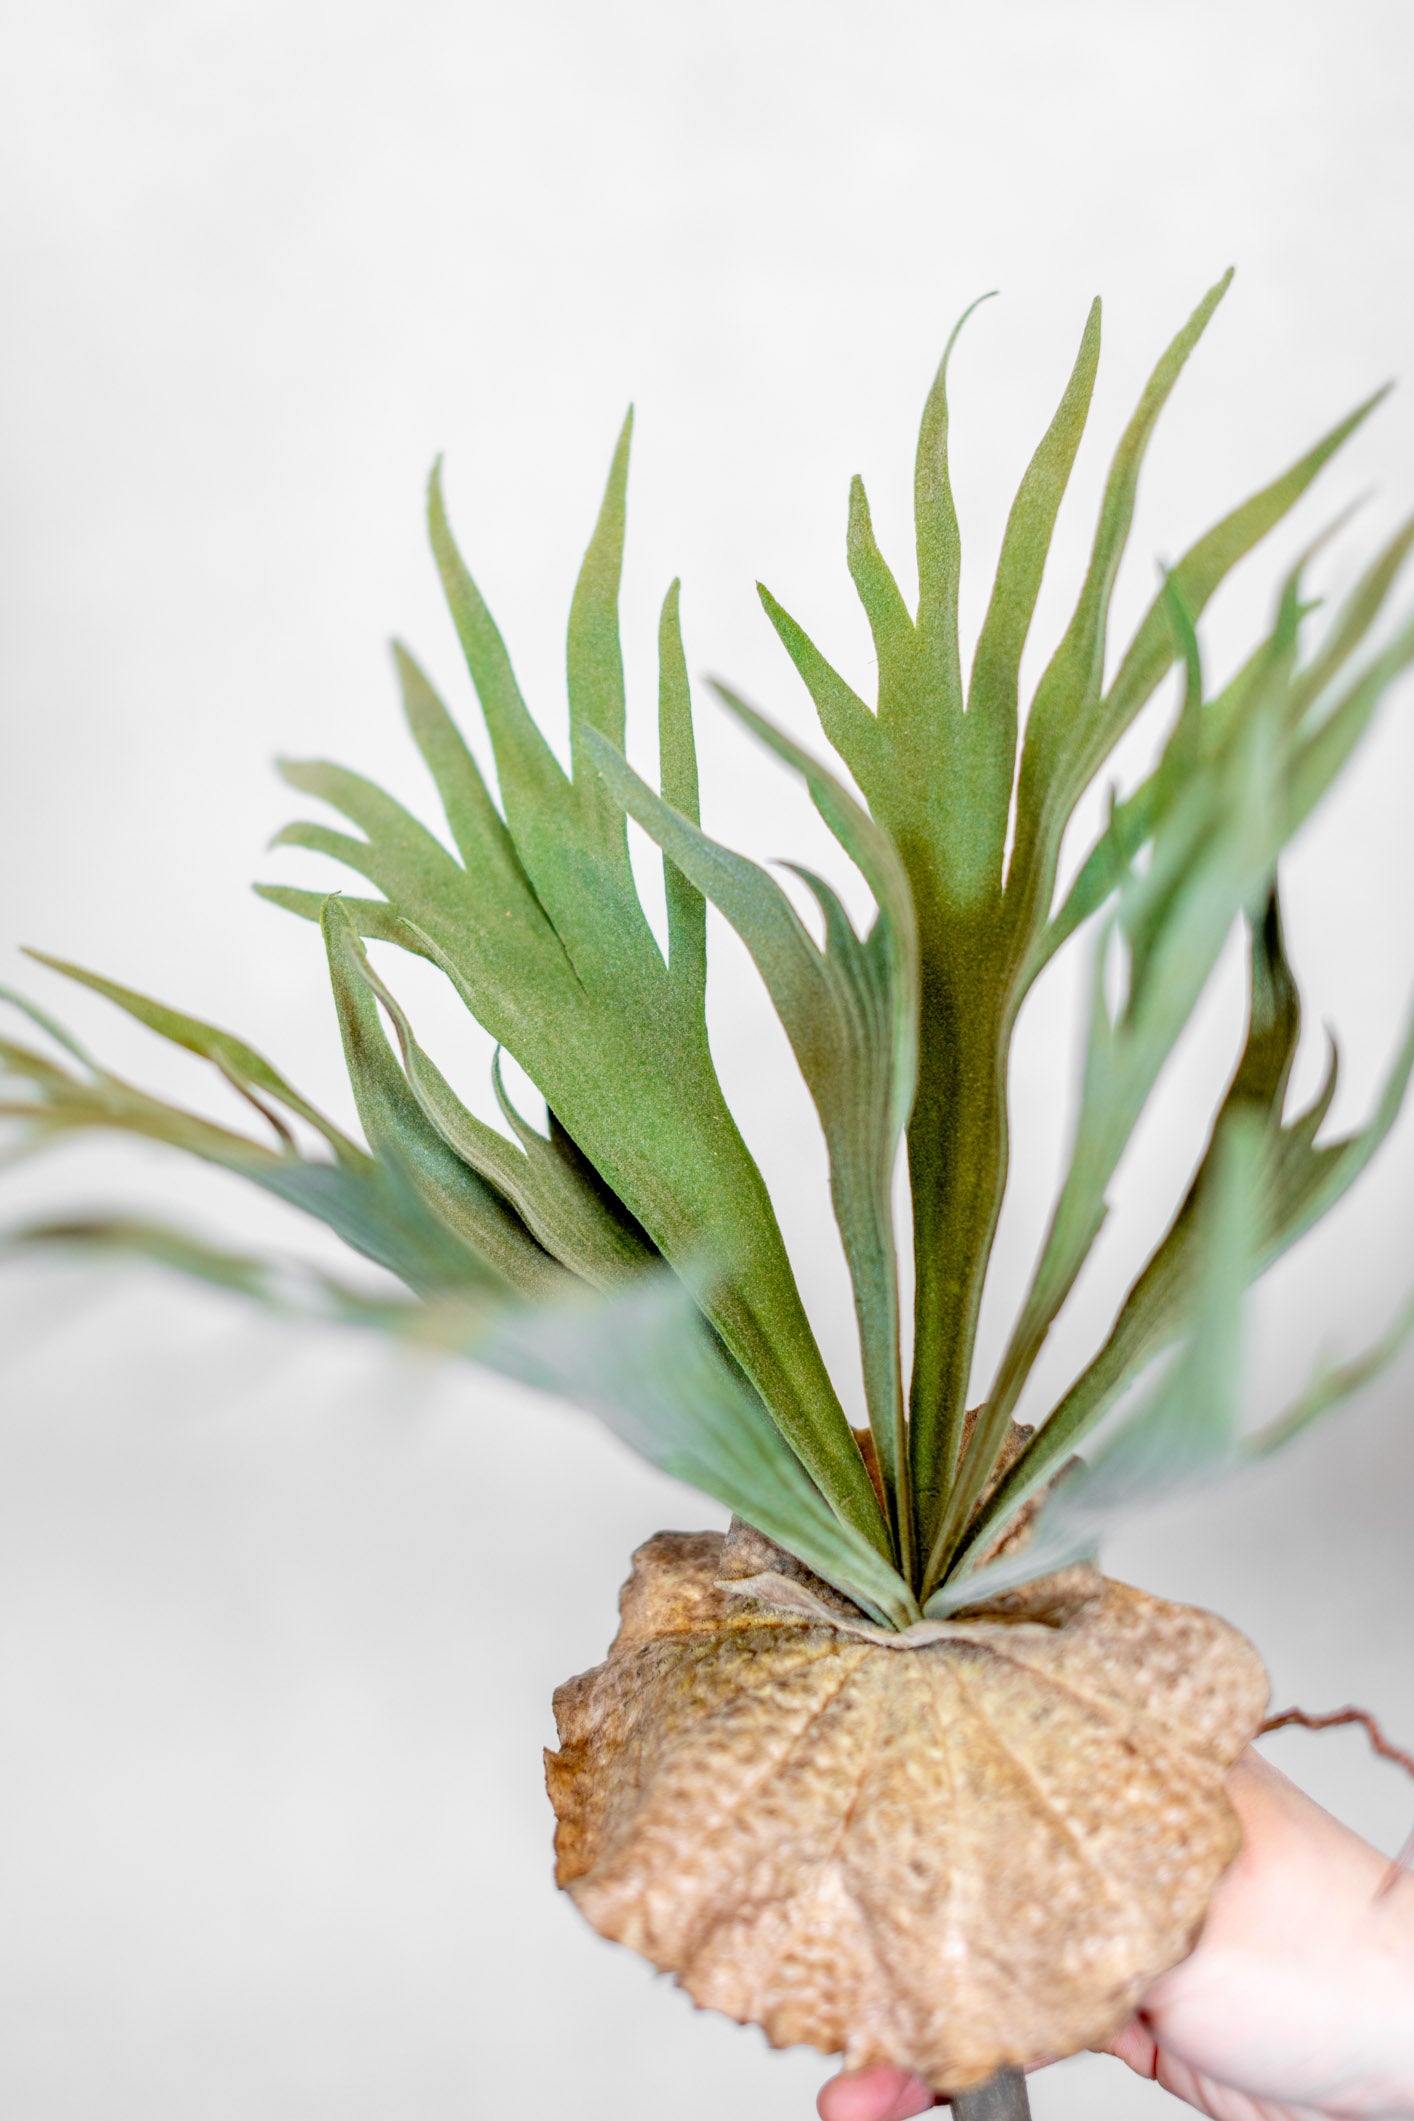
(973, 1852)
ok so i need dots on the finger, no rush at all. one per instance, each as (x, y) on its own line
(881, 2093)
(1133, 2044)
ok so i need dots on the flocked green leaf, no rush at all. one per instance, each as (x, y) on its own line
(547, 1255)
(544, 938)
(850, 1011)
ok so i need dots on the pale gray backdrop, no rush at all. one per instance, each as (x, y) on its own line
(279, 1622)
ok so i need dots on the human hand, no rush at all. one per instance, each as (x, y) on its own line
(1298, 2000)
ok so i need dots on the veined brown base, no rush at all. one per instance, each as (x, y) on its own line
(966, 1853)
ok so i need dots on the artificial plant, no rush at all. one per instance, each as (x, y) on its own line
(891, 1768)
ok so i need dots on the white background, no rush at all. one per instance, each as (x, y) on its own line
(278, 1623)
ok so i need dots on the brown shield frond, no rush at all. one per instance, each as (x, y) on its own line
(971, 1849)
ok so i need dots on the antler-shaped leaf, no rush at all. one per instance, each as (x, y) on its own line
(392, 1206)
(851, 1014)
(940, 780)
(561, 1197)
(644, 1361)
(1298, 1183)
(1186, 1428)
(1252, 764)
(1186, 1431)
(533, 915)
(540, 929)
(288, 1288)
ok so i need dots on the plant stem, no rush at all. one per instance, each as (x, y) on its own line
(1001, 2098)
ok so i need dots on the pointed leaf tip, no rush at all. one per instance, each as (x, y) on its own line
(991, 295)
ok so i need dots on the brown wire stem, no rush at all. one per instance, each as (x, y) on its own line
(1379, 1743)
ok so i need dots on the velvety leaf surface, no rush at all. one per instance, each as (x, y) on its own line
(938, 768)
(850, 1011)
(537, 924)
(506, 1236)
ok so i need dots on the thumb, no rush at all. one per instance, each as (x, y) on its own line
(880, 2093)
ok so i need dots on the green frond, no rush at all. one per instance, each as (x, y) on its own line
(287, 1289)
(850, 1012)
(847, 723)
(1246, 778)
(643, 1362)
(1333, 1383)
(938, 540)
(1185, 1429)
(368, 1201)
(595, 667)
(994, 686)
(478, 832)
(677, 777)
(545, 940)
(1152, 1314)
(890, 622)
(1067, 730)
(246, 1070)
(629, 1258)
(532, 782)
(398, 1129)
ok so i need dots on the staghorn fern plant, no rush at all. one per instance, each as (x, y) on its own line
(841, 1842)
